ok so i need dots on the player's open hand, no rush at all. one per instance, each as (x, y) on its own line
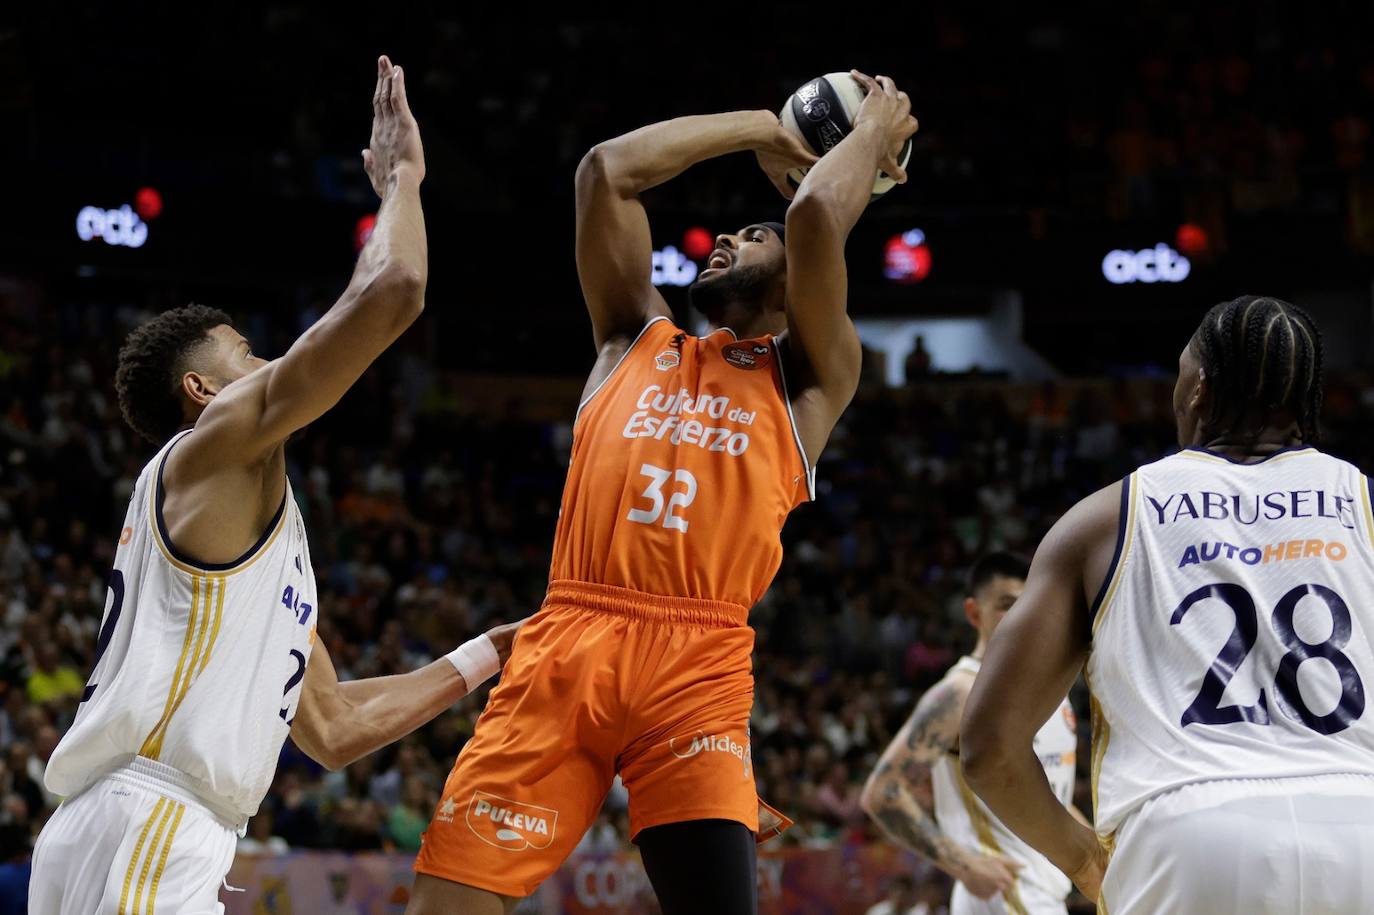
(889, 109)
(395, 144)
(987, 875)
(780, 153)
(503, 637)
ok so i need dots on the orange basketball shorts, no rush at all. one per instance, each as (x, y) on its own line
(602, 681)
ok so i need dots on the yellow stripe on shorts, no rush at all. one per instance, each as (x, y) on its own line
(138, 850)
(162, 861)
(152, 852)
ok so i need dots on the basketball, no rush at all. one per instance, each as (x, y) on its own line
(822, 113)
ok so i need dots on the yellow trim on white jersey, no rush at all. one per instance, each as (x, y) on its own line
(199, 621)
(983, 828)
(1127, 538)
(153, 514)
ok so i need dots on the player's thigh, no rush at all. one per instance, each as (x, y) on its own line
(690, 756)
(531, 780)
(116, 847)
(701, 866)
(1335, 847)
(434, 895)
(1233, 858)
(76, 851)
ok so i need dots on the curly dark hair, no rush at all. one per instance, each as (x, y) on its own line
(1263, 358)
(151, 363)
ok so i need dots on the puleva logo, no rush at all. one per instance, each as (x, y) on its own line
(510, 824)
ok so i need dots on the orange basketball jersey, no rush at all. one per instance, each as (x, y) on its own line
(685, 464)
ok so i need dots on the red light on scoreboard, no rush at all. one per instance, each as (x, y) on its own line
(1192, 239)
(697, 243)
(148, 203)
(906, 259)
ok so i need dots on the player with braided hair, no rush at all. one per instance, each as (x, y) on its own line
(1261, 356)
(1216, 600)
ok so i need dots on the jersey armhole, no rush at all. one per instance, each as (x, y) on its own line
(807, 469)
(185, 563)
(1366, 486)
(1125, 533)
(615, 368)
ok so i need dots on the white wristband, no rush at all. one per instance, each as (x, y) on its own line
(475, 660)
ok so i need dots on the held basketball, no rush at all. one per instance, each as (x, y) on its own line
(822, 113)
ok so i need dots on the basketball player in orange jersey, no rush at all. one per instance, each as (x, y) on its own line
(688, 454)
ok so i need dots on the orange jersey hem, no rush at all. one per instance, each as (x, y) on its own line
(663, 608)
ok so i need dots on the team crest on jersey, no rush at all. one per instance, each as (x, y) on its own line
(748, 356)
(509, 824)
(667, 360)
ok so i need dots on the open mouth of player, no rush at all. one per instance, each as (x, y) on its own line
(719, 260)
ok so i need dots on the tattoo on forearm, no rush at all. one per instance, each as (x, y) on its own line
(903, 808)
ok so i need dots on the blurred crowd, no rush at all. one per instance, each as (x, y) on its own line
(431, 518)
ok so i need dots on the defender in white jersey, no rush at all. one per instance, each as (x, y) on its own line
(1220, 598)
(207, 656)
(918, 796)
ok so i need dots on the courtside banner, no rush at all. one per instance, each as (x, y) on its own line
(834, 881)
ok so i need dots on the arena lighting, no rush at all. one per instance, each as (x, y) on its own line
(672, 268)
(120, 227)
(1160, 264)
(1192, 239)
(148, 203)
(906, 258)
(698, 243)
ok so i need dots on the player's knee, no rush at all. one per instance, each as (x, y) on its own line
(437, 896)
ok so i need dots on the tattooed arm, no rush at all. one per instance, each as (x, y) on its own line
(899, 795)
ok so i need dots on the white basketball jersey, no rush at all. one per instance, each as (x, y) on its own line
(966, 819)
(197, 667)
(1232, 636)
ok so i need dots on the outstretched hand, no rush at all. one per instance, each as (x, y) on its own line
(395, 143)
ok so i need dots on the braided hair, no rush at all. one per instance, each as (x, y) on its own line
(1262, 358)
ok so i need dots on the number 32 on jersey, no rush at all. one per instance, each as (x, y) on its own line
(683, 492)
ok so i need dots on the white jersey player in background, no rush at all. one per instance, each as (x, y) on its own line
(204, 661)
(1221, 600)
(917, 794)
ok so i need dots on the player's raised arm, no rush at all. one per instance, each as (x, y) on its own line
(1031, 663)
(385, 295)
(899, 795)
(339, 722)
(614, 249)
(827, 205)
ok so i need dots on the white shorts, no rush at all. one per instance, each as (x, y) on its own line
(1287, 846)
(1026, 899)
(125, 845)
